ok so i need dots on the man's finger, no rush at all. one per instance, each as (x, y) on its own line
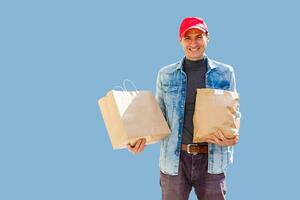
(211, 141)
(144, 141)
(216, 140)
(221, 135)
(142, 145)
(137, 145)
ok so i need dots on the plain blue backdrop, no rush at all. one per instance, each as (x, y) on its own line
(57, 58)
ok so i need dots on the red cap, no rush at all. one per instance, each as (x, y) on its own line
(192, 22)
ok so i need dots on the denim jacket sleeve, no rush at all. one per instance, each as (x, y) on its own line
(159, 94)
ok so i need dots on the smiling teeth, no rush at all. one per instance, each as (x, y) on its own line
(193, 49)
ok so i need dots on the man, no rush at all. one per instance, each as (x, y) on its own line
(184, 165)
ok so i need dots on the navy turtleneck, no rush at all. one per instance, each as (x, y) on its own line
(195, 72)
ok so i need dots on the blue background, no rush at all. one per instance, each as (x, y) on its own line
(57, 58)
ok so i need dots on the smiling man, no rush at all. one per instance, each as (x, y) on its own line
(183, 164)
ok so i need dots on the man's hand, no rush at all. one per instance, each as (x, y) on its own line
(219, 139)
(138, 146)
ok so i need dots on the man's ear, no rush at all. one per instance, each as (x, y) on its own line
(208, 37)
(179, 40)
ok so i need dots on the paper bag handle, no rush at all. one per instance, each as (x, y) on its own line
(130, 81)
(118, 87)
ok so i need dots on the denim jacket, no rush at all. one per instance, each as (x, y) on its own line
(170, 95)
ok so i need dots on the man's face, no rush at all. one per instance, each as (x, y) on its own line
(194, 43)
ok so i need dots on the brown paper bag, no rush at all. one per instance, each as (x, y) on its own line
(215, 111)
(129, 116)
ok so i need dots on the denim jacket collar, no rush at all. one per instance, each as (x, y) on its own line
(210, 64)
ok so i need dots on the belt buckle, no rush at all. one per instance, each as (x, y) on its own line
(188, 149)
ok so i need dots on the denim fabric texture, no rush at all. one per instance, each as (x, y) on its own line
(171, 94)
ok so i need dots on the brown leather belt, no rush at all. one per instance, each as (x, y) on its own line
(194, 148)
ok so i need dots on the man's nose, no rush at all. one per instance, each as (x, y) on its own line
(194, 43)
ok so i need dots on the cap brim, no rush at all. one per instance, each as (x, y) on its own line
(195, 27)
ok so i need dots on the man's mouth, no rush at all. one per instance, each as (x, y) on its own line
(193, 49)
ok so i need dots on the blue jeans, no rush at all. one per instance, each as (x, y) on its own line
(193, 173)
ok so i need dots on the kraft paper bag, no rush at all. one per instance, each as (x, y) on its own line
(129, 116)
(215, 113)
